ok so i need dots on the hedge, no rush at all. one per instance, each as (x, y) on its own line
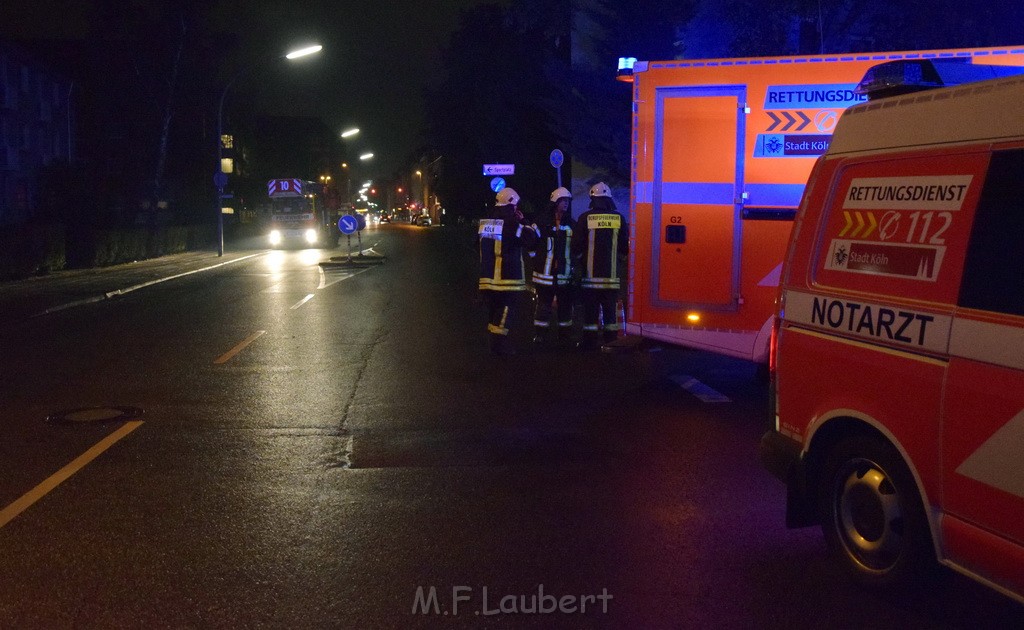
(39, 249)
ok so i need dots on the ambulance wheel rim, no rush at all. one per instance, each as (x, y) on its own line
(869, 517)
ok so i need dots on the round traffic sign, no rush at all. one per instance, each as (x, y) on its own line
(557, 158)
(497, 184)
(220, 179)
(348, 224)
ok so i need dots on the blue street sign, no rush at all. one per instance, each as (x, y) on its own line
(557, 158)
(499, 169)
(348, 224)
(220, 179)
(497, 184)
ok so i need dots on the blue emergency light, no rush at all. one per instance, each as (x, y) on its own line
(894, 78)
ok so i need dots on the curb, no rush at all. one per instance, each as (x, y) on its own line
(135, 287)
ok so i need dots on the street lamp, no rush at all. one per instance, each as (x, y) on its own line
(348, 133)
(220, 177)
(366, 156)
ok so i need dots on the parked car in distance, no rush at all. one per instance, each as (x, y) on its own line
(423, 220)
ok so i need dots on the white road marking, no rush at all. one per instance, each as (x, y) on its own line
(698, 389)
(302, 301)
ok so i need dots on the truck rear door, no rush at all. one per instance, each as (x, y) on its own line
(698, 178)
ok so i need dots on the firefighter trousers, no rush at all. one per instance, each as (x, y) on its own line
(599, 311)
(553, 300)
(502, 306)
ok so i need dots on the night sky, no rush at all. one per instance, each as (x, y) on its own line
(377, 58)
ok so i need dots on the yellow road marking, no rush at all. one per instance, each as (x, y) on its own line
(33, 495)
(224, 358)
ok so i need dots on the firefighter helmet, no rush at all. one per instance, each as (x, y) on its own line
(600, 189)
(507, 197)
(560, 193)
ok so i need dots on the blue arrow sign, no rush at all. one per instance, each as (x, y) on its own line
(497, 184)
(348, 224)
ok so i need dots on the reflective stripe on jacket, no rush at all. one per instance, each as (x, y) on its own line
(501, 251)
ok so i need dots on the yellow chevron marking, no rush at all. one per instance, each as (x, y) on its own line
(860, 225)
(849, 223)
(872, 224)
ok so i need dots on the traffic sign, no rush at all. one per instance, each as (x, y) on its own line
(497, 184)
(499, 169)
(557, 158)
(348, 224)
(220, 179)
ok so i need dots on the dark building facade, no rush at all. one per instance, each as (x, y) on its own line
(36, 129)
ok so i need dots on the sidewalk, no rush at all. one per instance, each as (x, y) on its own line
(21, 299)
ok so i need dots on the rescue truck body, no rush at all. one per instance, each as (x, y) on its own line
(721, 152)
(297, 215)
(898, 352)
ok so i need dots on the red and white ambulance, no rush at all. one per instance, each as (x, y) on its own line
(898, 353)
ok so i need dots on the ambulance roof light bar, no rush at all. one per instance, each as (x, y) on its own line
(894, 78)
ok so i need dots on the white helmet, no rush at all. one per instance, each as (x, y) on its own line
(560, 193)
(507, 197)
(600, 189)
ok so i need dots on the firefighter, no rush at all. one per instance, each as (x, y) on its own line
(502, 273)
(599, 246)
(552, 269)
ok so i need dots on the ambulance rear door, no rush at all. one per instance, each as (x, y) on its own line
(697, 182)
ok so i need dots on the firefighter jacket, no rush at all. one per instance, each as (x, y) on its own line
(502, 239)
(600, 239)
(552, 266)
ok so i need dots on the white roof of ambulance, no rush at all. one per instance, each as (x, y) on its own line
(985, 110)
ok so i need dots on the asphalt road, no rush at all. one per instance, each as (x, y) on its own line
(320, 448)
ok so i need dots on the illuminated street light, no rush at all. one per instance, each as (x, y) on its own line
(348, 133)
(302, 52)
(365, 156)
(220, 177)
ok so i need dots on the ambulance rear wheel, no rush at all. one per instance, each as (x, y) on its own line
(872, 516)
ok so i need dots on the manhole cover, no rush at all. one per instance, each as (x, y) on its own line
(94, 414)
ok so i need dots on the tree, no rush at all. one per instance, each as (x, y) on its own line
(490, 106)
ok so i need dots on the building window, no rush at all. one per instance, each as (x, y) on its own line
(227, 141)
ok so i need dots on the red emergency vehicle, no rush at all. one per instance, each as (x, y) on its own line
(721, 151)
(898, 358)
(298, 215)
